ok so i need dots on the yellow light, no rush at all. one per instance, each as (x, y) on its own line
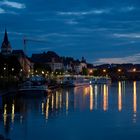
(105, 98)
(104, 70)
(119, 97)
(42, 72)
(57, 99)
(60, 99)
(5, 114)
(67, 101)
(119, 70)
(47, 109)
(13, 113)
(86, 90)
(52, 101)
(90, 71)
(96, 96)
(134, 97)
(134, 70)
(91, 98)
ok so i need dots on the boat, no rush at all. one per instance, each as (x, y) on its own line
(34, 84)
(101, 80)
(67, 81)
(75, 81)
(81, 81)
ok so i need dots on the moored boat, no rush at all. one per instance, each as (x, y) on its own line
(101, 80)
(34, 85)
(75, 81)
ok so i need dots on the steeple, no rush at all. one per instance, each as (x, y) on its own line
(6, 37)
(6, 47)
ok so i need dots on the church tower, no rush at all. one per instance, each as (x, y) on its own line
(6, 47)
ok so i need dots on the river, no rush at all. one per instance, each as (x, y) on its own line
(81, 113)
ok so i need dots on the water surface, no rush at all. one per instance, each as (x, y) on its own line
(90, 112)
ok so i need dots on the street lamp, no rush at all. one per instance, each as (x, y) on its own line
(119, 70)
(134, 69)
(4, 71)
(42, 72)
(104, 70)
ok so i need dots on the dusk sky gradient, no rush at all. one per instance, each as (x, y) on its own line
(103, 31)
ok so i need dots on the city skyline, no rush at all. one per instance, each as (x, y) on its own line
(102, 31)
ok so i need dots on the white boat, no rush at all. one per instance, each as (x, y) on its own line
(67, 81)
(34, 84)
(101, 80)
(75, 81)
(80, 81)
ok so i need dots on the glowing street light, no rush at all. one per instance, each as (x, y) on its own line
(104, 70)
(119, 70)
(90, 71)
(4, 68)
(134, 69)
(42, 72)
(13, 69)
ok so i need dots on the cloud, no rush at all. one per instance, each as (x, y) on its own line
(62, 35)
(82, 13)
(12, 4)
(71, 22)
(2, 11)
(128, 59)
(127, 9)
(96, 11)
(130, 35)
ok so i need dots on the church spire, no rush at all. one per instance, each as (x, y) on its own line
(6, 47)
(6, 37)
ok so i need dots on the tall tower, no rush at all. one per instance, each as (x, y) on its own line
(6, 47)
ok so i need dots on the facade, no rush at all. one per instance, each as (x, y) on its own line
(24, 61)
(6, 52)
(77, 68)
(50, 59)
(55, 66)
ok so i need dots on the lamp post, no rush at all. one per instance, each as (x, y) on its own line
(4, 71)
(119, 73)
(134, 70)
(104, 72)
(119, 70)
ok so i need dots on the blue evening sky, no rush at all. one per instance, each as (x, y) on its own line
(103, 31)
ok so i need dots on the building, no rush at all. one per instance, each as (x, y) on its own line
(50, 58)
(24, 61)
(19, 55)
(6, 47)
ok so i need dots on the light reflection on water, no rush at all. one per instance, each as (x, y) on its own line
(116, 104)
